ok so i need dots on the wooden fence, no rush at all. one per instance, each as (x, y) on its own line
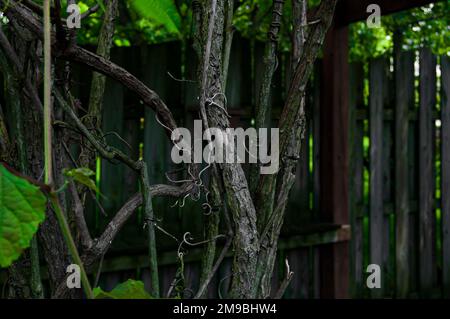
(399, 164)
(399, 190)
(160, 67)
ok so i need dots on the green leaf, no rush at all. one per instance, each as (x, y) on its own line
(83, 175)
(130, 289)
(22, 209)
(163, 12)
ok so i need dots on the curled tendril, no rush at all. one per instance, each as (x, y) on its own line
(219, 286)
(190, 173)
(187, 238)
(184, 200)
(181, 251)
(195, 196)
(207, 206)
(205, 168)
(210, 102)
(160, 123)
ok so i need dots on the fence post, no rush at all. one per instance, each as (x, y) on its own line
(378, 249)
(356, 133)
(445, 190)
(334, 164)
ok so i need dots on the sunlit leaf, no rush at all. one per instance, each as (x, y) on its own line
(163, 12)
(82, 175)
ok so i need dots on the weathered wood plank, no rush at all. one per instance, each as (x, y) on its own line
(316, 140)
(377, 79)
(132, 233)
(426, 179)
(388, 186)
(445, 168)
(404, 99)
(316, 272)
(239, 72)
(299, 264)
(112, 174)
(315, 252)
(356, 132)
(413, 185)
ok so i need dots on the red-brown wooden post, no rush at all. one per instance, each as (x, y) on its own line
(334, 160)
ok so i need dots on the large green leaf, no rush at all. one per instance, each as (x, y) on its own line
(163, 12)
(130, 289)
(22, 209)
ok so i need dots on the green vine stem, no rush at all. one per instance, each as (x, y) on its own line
(149, 216)
(71, 244)
(36, 281)
(47, 96)
(48, 163)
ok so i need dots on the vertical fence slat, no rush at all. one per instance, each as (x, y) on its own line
(413, 187)
(133, 111)
(239, 72)
(112, 174)
(426, 180)
(356, 132)
(316, 176)
(388, 180)
(131, 136)
(404, 84)
(376, 103)
(445, 167)
(132, 233)
(316, 139)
